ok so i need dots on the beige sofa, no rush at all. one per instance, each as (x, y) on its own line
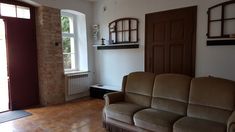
(171, 102)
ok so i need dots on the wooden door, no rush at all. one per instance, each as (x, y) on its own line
(170, 41)
(22, 62)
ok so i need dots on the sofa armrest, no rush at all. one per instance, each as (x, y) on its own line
(231, 123)
(114, 97)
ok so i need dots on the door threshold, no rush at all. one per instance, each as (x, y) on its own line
(4, 111)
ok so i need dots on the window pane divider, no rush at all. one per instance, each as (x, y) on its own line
(68, 53)
(68, 35)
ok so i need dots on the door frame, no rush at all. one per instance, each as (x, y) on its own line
(7, 58)
(33, 21)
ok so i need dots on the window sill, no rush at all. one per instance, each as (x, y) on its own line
(74, 73)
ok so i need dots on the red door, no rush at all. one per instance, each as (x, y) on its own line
(22, 62)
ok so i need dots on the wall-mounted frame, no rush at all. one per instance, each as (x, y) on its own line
(124, 30)
(221, 20)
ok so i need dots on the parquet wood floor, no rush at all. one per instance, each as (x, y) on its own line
(78, 116)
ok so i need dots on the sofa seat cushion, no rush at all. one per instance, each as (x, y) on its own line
(122, 111)
(155, 120)
(189, 124)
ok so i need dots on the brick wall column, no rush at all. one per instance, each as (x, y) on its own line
(50, 56)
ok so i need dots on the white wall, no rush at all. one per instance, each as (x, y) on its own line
(112, 65)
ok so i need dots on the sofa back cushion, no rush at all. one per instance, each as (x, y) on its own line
(211, 99)
(170, 93)
(138, 89)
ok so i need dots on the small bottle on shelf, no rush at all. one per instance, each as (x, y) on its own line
(102, 41)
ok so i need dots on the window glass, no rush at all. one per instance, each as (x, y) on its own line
(67, 24)
(69, 53)
(23, 12)
(8, 10)
(67, 61)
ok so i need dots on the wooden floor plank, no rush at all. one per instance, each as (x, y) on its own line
(78, 116)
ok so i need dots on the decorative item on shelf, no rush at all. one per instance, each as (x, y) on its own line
(111, 41)
(124, 30)
(102, 41)
(96, 29)
(221, 23)
(123, 34)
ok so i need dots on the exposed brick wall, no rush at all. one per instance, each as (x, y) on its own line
(50, 57)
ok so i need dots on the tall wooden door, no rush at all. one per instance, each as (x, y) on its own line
(22, 61)
(170, 41)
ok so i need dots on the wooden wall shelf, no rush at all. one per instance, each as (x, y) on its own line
(116, 46)
(220, 42)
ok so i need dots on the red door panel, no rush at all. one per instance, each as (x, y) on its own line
(22, 62)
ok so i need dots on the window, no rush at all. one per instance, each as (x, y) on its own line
(9, 10)
(23, 12)
(74, 41)
(68, 42)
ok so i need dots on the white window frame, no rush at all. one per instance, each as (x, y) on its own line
(75, 36)
(80, 41)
